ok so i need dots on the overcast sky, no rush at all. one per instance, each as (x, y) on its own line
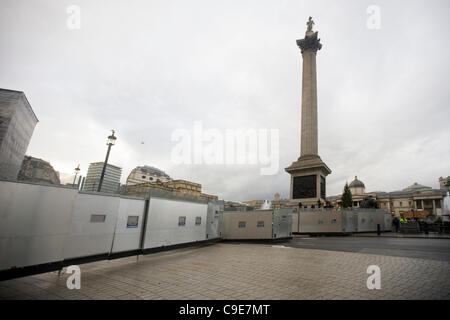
(147, 68)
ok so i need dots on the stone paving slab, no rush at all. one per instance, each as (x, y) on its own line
(242, 271)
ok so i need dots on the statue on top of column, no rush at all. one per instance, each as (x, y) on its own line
(310, 24)
(311, 40)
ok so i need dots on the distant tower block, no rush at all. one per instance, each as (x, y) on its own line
(308, 173)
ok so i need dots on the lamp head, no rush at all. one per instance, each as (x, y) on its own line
(112, 139)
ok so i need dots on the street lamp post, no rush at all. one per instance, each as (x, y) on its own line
(77, 169)
(110, 143)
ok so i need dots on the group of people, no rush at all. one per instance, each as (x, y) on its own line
(424, 225)
(396, 222)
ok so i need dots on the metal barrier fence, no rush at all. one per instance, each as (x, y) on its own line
(327, 221)
(46, 227)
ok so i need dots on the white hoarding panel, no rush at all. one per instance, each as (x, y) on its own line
(34, 222)
(320, 222)
(364, 224)
(282, 223)
(387, 222)
(129, 225)
(173, 222)
(349, 220)
(377, 219)
(213, 220)
(294, 216)
(92, 226)
(241, 225)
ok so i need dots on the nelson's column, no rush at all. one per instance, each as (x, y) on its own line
(308, 173)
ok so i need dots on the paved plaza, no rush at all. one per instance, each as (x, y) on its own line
(243, 271)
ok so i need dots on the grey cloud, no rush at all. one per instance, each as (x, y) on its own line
(146, 68)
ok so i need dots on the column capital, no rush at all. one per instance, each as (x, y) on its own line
(310, 42)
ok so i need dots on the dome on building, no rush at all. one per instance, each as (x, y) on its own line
(357, 183)
(417, 187)
(153, 171)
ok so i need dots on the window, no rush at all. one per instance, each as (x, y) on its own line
(181, 221)
(143, 177)
(260, 224)
(151, 178)
(98, 218)
(241, 224)
(198, 221)
(132, 221)
(437, 203)
(419, 204)
(401, 204)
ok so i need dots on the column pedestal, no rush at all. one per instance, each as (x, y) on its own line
(308, 181)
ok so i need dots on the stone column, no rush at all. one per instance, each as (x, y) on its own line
(309, 46)
(309, 170)
(309, 104)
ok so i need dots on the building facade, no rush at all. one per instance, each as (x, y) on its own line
(38, 170)
(144, 174)
(143, 179)
(180, 187)
(17, 123)
(413, 198)
(111, 180)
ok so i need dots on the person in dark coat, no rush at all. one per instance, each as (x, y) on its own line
(396, 223)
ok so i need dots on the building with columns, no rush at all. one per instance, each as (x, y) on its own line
(415, 197)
